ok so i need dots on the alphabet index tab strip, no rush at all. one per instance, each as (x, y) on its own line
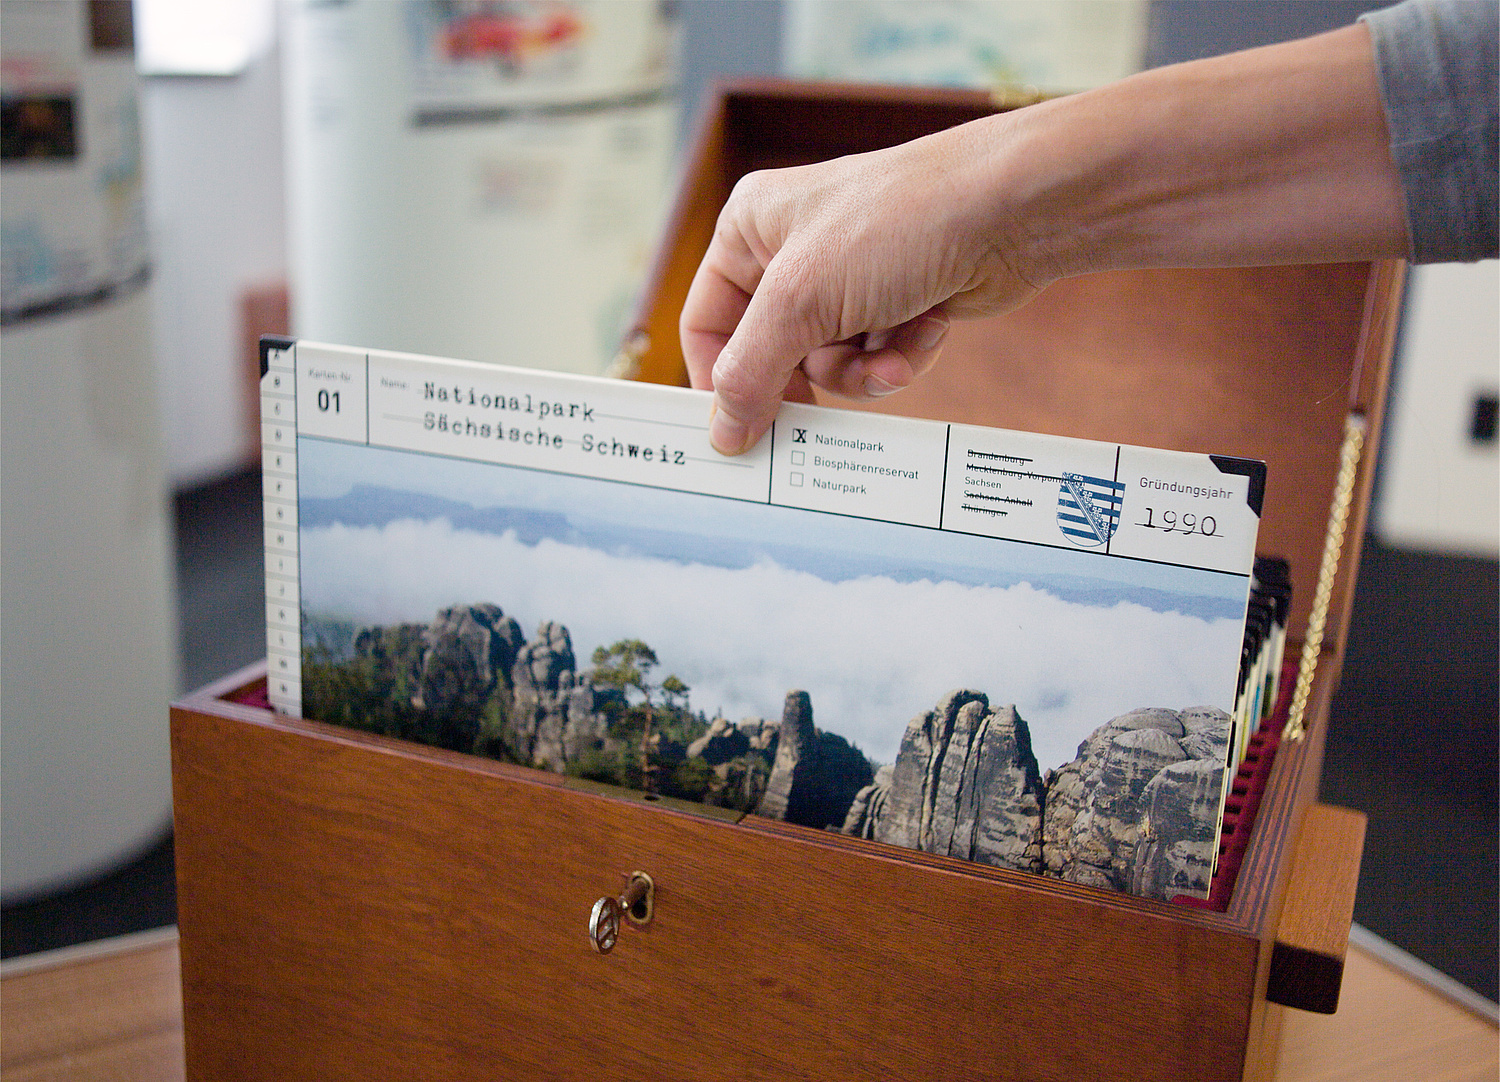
(278, 409)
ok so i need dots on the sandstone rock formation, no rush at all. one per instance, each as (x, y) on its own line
(1099, 807)
(814, 775)
(392, 644)
(468, 653)
(469, 647)
(555, 717)
(796, 764)
(1206, 733)
(540, 665)
(1175, 845)
(741, 756)
(965, 783)
(869, 805)
(723, 741)
(762, 733)
(1135, 810)
(846, 771)
(741, 782)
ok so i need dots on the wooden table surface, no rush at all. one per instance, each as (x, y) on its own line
(113, 1011)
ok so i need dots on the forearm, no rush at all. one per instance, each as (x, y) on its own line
(1273, 155)
(845, 274)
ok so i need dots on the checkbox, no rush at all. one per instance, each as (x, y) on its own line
(799, 458)
(795, 480)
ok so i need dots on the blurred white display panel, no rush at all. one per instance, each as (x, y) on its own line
(88, 664)
(216, 204)
(191, 37)
(477, 180)
(1440, 474)
(1055, 45)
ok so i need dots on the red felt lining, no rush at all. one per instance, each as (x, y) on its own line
(1245, 793)
(257, 694)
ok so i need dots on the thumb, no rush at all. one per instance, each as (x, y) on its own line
(884, 362)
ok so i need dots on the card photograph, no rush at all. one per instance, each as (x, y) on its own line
(900, 640)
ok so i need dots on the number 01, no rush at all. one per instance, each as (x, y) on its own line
(326, 399)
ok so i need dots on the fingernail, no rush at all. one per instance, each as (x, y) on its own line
(727, 435)
(876, 387)
(875, 341)
(929, 332)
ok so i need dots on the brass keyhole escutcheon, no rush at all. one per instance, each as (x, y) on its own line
(636, 905)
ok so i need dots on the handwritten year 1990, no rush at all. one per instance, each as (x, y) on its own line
(1172, 522)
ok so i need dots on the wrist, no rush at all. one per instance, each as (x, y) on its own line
(1267, 156)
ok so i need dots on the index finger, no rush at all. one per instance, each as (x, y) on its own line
(713, 309)
(725, 304)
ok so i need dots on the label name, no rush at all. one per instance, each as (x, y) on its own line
(835, 486)
(852, 445)
(539, 436)
(483, 430)
(614, 448)
(862, 467)
(524, 403)
(1187, 490)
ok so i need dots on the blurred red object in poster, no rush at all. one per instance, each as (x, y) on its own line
(510, 34)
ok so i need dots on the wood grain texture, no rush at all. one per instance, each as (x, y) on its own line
(1388, 1027)
(351, 906)
(112, 1017)
(1369, 386)
(1261, 886)
(348, 908)
(1261, 362)
(1312, 937)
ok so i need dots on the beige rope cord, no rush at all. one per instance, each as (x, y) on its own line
(1333, 547)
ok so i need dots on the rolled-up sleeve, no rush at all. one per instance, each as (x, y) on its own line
(1436, 61)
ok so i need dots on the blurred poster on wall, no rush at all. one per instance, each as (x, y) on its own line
(469, 56)
(1054, 45)
(478, 179)
(74, 211)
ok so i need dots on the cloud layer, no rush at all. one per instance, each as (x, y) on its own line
(872, 652)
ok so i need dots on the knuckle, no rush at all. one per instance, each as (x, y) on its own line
(799, 286)
(736, 388)
(751, 186)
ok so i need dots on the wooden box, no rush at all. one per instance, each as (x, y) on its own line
(354, 907)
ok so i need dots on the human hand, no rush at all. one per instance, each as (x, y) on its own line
(845, 275)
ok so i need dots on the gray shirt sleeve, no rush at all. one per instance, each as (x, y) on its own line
(1437, 69)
